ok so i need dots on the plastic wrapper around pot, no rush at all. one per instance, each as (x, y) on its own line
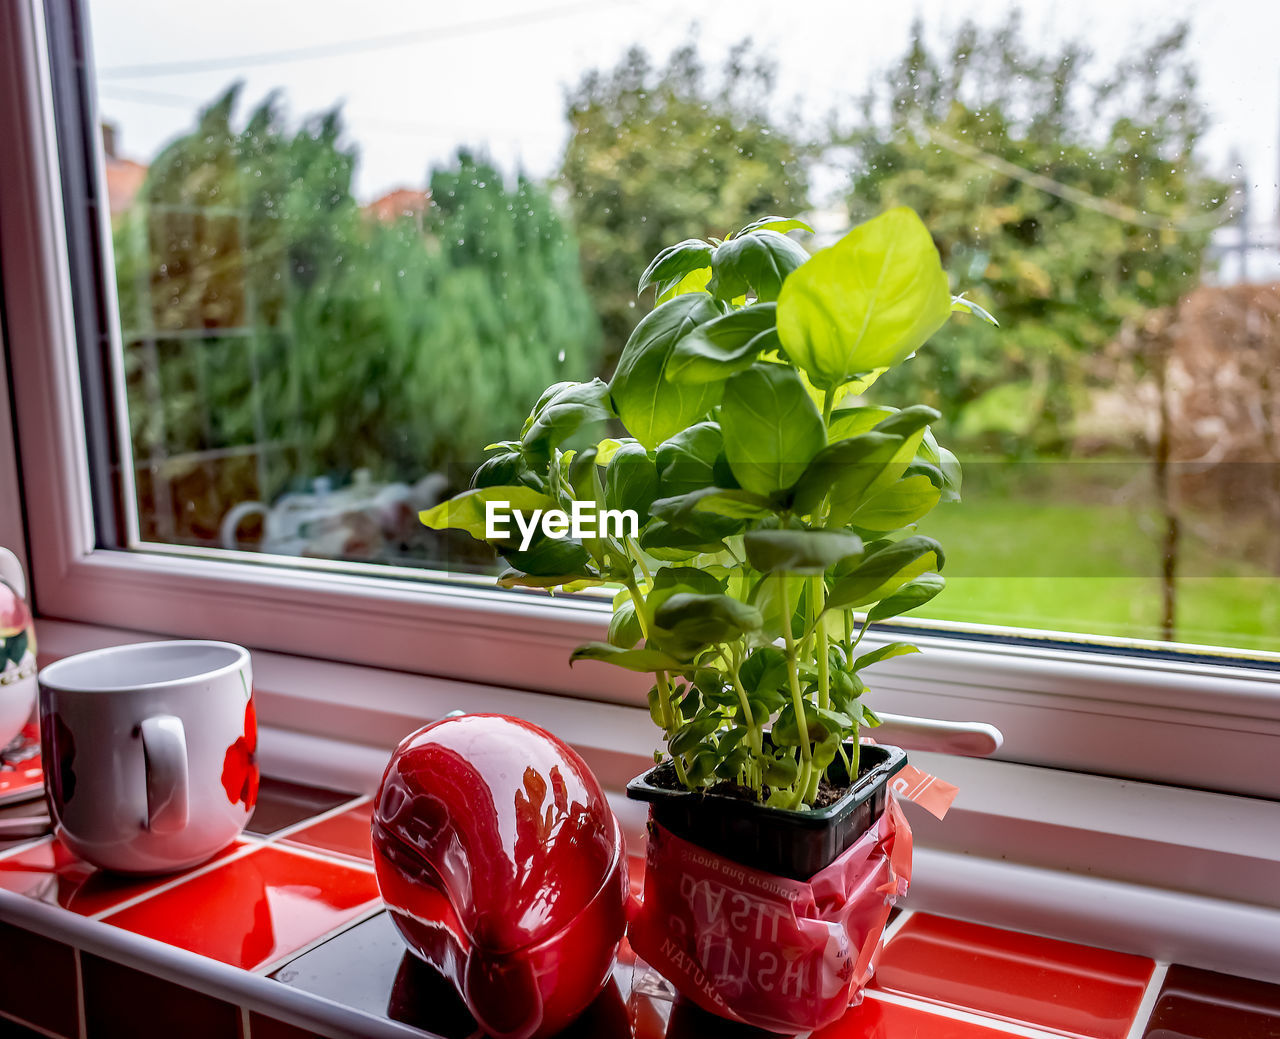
(504, 868)
(766, 950)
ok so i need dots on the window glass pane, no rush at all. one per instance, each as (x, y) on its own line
(351, 249)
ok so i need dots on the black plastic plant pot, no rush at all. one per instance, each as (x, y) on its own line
(795, 844)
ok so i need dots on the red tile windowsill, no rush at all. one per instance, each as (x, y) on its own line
(248, 941)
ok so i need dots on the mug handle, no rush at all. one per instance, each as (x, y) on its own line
(164, 749)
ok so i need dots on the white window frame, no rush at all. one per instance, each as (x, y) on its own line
(1158, 719)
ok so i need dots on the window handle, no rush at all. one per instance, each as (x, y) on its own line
(967, 739)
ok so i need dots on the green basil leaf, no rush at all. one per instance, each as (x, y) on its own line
(506, 467)
(845, 690)
(651, 408)
(645, 659)
(731, 738)
(758, 262)
(714, 351)
(773, 223)
(898, 506)
(513, 578)
(734, 761)
(667, 542)
(631, 481)
(960, 305)
(689, 622)
(893, 649)
(549, 556)
(690, 460)
(624, 626)
(674, 262)
(691, 734)
(908, 597)
(712, 508)
(771, 427)
(466, 511)
(821, 723)
(781, 772)
(825, 750)
(682, 513)
(801, 551)
(908, 421)
(882, 573)
(609, 446)
(767, 598)
(574, 404)
(733, 503)
(947, 463)
(843, 474)
(869, 301)
(850, 422)
(763, 673)
(685, 579)
(655, 710)
(694, 281)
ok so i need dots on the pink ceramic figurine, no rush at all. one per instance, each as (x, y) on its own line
(503, 867)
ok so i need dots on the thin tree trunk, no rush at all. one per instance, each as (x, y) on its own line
(1165, 498)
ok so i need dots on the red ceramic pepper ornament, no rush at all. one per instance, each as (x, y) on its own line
(502, 866)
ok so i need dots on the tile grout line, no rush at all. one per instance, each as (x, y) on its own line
(6, 1016)
(371, 909)
(312, 820)
(332, 858)
(82, 1017)
(26, 845)
(173, 882)
(895, 925)
(995, 1024)
(1149, 996)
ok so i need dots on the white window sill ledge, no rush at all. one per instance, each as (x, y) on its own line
(1179, 875)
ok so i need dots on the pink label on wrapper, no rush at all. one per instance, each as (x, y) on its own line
(932, 794)
(781, 954)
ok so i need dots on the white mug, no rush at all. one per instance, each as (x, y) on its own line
(150, 752)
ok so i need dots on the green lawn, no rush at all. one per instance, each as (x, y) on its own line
(1093, 567)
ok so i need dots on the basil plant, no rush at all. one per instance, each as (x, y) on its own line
(774, 510)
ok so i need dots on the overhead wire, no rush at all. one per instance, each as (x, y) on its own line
(338, 48)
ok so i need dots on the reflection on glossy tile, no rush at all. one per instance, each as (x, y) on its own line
(345, 834)
(121, 1003)
(1068, 988)
(34, 969)
(874, 1019)
(281, 804)
(367, 967)
(656, 1017)
(52, 873)
(1199, 1004)
(253, 910)
(606, 1016)
(877, 1019)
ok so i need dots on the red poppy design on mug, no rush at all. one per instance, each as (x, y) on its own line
(240, 766)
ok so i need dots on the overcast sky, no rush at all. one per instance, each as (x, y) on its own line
(418, 78)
